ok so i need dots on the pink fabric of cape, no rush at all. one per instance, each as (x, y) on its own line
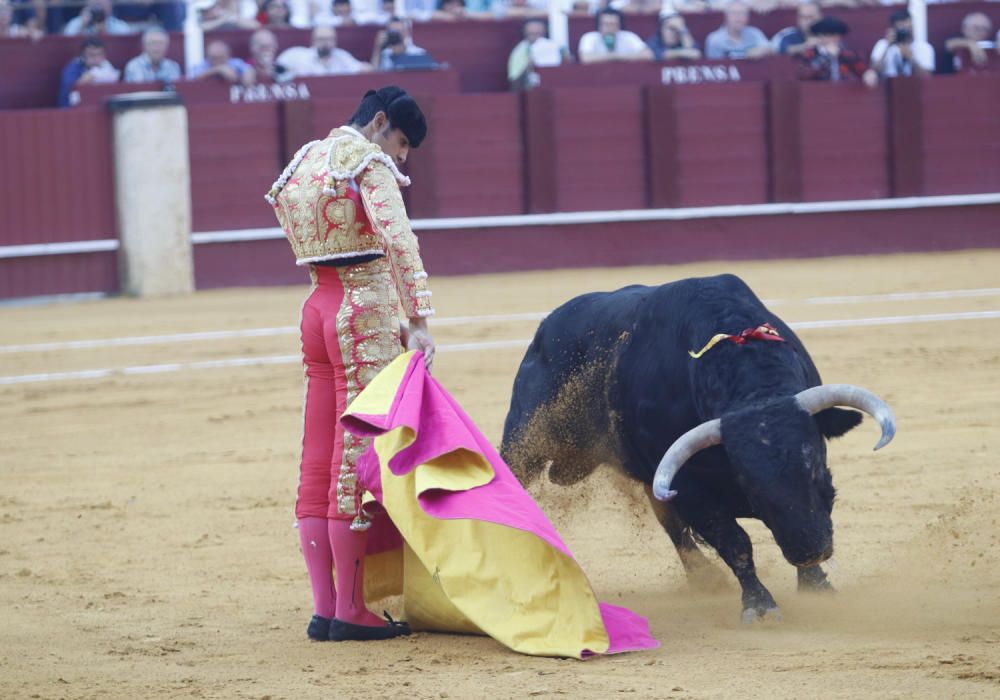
(442, 427)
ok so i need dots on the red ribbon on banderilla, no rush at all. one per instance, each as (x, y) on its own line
(764, 331)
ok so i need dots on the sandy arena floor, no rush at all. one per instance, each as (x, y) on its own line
(147, 549)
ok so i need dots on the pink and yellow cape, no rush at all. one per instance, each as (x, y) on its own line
(464, 543)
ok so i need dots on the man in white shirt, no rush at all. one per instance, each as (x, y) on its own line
(322, 58)
(898, 53)
(611, 42)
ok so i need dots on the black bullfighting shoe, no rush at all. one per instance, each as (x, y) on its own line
(341, 631)
(319, 628)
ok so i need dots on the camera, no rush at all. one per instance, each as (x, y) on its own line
(903, 36)
(392, 38)
(97, 15)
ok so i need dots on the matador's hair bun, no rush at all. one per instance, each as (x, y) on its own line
(401, 109)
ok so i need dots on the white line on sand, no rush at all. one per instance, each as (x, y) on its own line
(458, 347)
(459, 321)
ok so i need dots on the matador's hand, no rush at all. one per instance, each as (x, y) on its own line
(420, 339)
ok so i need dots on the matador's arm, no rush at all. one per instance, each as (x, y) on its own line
(387, 214)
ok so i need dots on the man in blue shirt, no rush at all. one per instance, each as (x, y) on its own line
(152, 65)
(90, 67)
(219, 63)
(735, 38)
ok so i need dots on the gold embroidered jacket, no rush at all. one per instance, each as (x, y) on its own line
(339, 198)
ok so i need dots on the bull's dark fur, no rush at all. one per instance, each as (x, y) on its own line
(624, 356)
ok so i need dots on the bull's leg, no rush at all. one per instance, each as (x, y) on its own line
(734, 546)
(813, 579)
(702, 574)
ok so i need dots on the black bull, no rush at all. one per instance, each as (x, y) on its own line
(609, 378)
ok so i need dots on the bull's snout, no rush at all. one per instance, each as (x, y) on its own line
(813, 558)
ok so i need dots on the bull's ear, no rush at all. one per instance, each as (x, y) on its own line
(834, 422)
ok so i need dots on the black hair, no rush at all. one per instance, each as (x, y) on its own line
(899, 16)
(91, 42)
(609, 11)
(533, 20)
(288, 10)
(341, 2)
(401, 109)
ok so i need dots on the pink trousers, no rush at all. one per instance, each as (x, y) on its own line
(350, 331)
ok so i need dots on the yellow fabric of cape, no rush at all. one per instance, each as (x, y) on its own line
(473, 576)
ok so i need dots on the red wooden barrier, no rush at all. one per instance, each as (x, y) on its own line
(58, 274)
(217, 92)
(472, 162)
(707, 145)
(828, 142)
(31, 70)
(960, 147)
(585, 149)
(56, 180)
(235, 156)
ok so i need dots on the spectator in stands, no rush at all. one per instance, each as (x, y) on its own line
(736, 38)
(898, 53)
(220, 65)
(830, 60)
(794, 40)
(263, 54)
(225, 14)
(277, 14)
(345, 13)
(89, 68)
(22, 18)
(322, 58)
(96, 18)
(518, 8)
(450, 10)
(8, 27)
(380, 52)
(535, 50)
(152, 65)
(673, 40)
(611, 42)
(168, 13)
(974, 39)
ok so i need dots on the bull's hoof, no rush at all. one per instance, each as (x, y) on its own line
(752, 615)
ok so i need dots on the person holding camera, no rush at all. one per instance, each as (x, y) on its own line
(96, 18)
(395, 40)
(899, 53)
(673, 40)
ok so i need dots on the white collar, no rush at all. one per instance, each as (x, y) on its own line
(353, 131)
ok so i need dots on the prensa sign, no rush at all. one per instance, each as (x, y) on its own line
(277, 92)
(693, 75)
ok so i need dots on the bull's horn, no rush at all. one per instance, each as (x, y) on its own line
(818, 398)
(685, 447)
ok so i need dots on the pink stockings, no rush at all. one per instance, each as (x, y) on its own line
(315, 541)
(347, 553)
(347, 337)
